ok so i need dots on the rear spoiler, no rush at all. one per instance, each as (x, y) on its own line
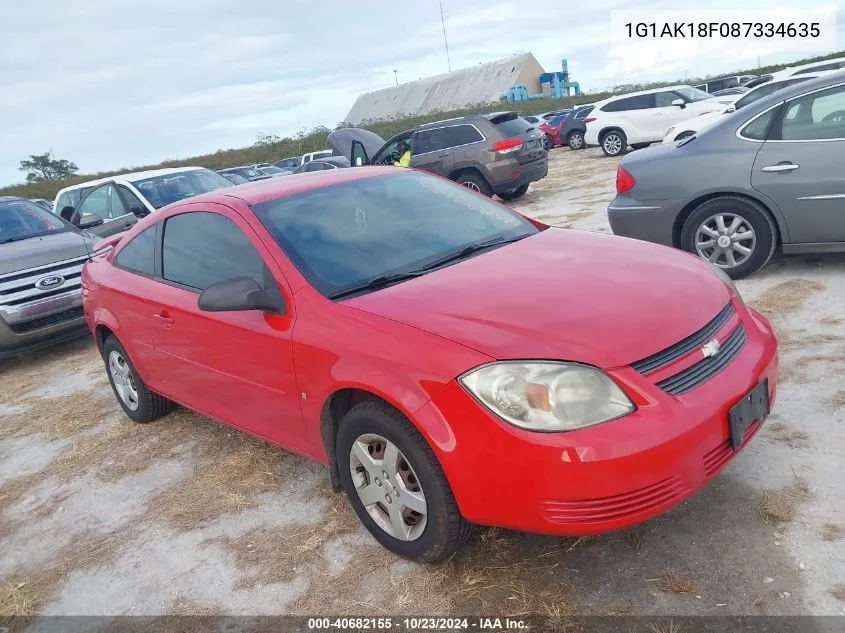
(501, 117)
(105, 245)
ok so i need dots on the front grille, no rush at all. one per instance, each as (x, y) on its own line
(705, 369)
(617, 506)
(678, 350)
(19, 288)
(46, 321)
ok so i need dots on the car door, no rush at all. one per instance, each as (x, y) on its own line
(103, 203)
(234, 366)
(801, 165)
(432, 151)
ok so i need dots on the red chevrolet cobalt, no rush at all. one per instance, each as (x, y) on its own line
(451, 361)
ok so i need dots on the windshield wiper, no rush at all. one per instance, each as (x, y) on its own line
(15, 239)
(471, 249)
(377, 282)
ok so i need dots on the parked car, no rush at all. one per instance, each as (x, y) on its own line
(767, 176)
(289, 164)
(271, 170)
(111, 205)
(830, 65)
(744, 79)
(41, 202)
(554, 113)
(728, 92)
(641, 118)
(324, 153)
(235, 179)
(320, 164)
(400, 329)
(715, 85)
(573, 128)
(702, 122)
(534, 120)
(41, 257)
(247, 171)
(497, 153)
(551, 132)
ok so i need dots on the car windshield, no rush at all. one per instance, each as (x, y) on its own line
(352, 233)
(762, 91)
(22, 220)
(164, 190)
(267, 169)
(693, 94)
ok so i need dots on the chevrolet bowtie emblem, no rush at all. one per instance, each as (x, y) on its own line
(711, 349)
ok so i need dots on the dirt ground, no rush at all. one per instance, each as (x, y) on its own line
(183, 516)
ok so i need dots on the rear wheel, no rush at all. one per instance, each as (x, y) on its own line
(575, 140)
(476, 182)
(736, 234)
(136, 399)
(614, 142)
(396, 485)
(513, 194)
(548, 142)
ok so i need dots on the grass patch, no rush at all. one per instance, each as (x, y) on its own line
(572, 218)
(838, 592)
(779, 506)
(830, 320)
(786, 297)
(636, 538)
(669, 583)
(832, 532)
(837, 400)
(794, 438)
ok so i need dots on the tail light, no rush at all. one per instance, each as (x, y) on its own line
(589, 119)
(624, 180)
(508, 146)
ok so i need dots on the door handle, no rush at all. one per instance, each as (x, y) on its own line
(780, 167)
(445, 154)
(164, 317)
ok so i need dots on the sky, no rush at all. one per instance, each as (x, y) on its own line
(111, 84)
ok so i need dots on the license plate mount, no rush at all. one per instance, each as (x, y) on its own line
(754, 406)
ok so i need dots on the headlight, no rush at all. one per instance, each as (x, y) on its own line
(721, 274)
(547, 396)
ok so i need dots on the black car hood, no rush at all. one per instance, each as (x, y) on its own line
(341, 141)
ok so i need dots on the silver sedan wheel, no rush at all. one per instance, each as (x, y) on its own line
(726, 240)
(388, 487)
(576, 141)
(471, 185)
(124, 381)
(612, 144)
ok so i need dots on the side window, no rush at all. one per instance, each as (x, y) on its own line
(117, 207)
(96, 203)
(62, 202)
(640, 102)
(456, 135)
(429, 140)
(665, 99)
(816, 116)
(758, 128)
(201, 249)
(132, 201)
(139, 254)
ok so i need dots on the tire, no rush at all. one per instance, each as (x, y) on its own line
(684, 135)
(575, 140)
(371, 428)
(141, 406)
(548, 142)
(476, 182)
(514, 193)
(749, 216)
(614, 143)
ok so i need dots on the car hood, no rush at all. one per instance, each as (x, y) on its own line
(561, 294)
(40, 251)
(341, 141)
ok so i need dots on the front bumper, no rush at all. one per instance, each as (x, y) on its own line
(40, 324)
(650, 221)
(607, 477)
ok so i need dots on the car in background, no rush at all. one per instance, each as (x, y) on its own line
(641, 118)
(323, 153)
(41, 258)
(41, 202)
(702, 122)
(767, 176)
(551, 131)
(830, 65)
(289, 164)
(321, 164)
(573, 128)
(271, 170)
(398, 329)
(534, 119)
(723, 83)
(110, 205)
(498, 153)
(729, 92)
(246, 171)
(235, 179)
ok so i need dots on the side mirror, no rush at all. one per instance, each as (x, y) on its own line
(680, 103)
(88, 221)
(238, 295)
(66, 213)
(730, 108)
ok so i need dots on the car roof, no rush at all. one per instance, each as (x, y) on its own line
(791, 70)
(132, 176)
(275, 188)
(625, 95)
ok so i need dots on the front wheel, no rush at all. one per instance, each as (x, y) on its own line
(735, 234)
(513, 194)
(133, 395)
(396, 485)
(614, 143)
(576, 141)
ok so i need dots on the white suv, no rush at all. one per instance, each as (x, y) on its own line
(641, 118)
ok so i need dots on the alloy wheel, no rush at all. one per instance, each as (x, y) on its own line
(388, 487)
(575, 141)
(124, 381)
(471, 185)
(612, 144)
(726, 240)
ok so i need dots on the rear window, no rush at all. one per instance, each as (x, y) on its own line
(512, 126)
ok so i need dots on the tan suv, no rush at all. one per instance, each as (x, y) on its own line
(497, 153)
(41, 259)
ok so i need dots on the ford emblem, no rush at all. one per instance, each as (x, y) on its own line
(47, 283)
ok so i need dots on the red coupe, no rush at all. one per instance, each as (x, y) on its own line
(451, 361)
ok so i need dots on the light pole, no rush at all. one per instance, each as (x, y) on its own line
(445, 41)
(396, 75)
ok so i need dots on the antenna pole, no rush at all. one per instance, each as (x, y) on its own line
(445, 41)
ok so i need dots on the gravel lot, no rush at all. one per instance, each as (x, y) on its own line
(184, 516)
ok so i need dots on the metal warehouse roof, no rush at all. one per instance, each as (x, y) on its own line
(483, 83)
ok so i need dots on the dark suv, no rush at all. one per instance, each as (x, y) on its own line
(497, 153)
(572, 128)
